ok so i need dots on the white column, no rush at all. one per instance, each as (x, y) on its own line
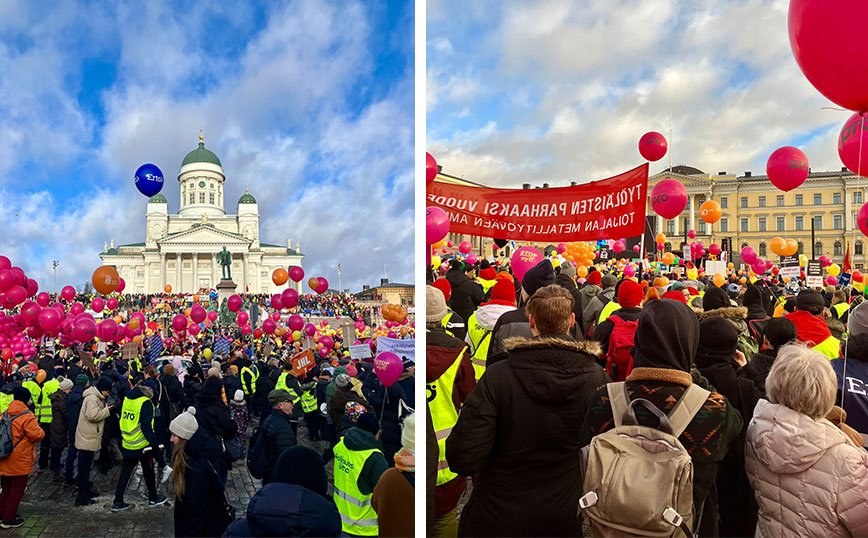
(710, 227)
(195, 272)
(245, 279)
(178, 273)
(848, 209)
(677, 226)
(214, 279)
(692, 207)
(162, 281)
(258, 269)
(660, 224)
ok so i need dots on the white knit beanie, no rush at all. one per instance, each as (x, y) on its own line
(239, 395)
(185, 425)
(408, 435)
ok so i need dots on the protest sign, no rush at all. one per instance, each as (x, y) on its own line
(406, 349)
(814, 274)
(360, 351)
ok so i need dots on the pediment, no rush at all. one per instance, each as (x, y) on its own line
(204, 234)
(685, 180)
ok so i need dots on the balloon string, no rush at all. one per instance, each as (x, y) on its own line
(834, 108)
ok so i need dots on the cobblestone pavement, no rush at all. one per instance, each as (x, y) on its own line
(48, 506)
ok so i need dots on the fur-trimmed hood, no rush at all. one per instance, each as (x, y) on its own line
(589, 347)
(728, 312)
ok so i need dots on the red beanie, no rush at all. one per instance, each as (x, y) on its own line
(488, 274)
(692, 291)
(503, 293)
(444, 286)
(675, 296)
(594, 277)
(630, 294)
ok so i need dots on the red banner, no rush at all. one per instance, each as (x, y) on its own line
(611, 208)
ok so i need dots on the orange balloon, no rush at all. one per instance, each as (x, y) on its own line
(668, 258)
(168, 288)
(791, 247)
(134, 323)
(730, 265)
(582, 271)
(313, 283)
(778, 245)
(137, 339)
(709, 211)
(105, 279)
(279, 276)
(118, 320)
(187, 312)
(718, 279)
(195, 297)
(661, 238)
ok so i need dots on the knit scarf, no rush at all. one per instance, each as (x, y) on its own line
(405, 460)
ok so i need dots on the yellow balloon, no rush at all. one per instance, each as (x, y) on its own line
(834, 269)
(296, 335)
(207, 353)
(435, 262)
(860, 286)
(803, 260)
(692, 273)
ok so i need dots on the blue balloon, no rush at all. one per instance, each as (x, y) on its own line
(149, 179)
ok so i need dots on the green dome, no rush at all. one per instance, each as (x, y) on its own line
(158, 199)
(201, 155)
(246, 199)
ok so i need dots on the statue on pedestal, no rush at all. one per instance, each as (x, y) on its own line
(224, 258)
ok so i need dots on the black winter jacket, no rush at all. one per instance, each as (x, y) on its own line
(213, 415)
(281, 509)
(278, 436)
(196, 513)
(73, 410)
(467, 295)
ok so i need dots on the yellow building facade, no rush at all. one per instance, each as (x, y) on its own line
(753, 211)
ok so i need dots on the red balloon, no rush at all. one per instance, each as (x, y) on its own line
(323, 285)
(42, 299)
(269, 325)
(851, 137)
(787, 168)
(276, 301)
(296, 273)
(652, 146)
(257, 333)
(179, 322)
(289, 298)
(198, 314)
(68, 293)
(121, 285)
(430, 168)
(234, 303)
(829, 49)
(862, 219)
(669, 198)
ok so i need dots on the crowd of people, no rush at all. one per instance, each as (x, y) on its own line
(651, 405)
(184, 415)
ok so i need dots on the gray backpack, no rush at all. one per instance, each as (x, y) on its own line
(7, 443)
(638, 480)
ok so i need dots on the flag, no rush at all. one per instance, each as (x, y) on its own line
(156, 348)
(221, 346)
(847, 259)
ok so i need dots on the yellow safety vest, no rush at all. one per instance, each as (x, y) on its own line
(444, 416)
(308, 400)
(480, 340)
(252, 381)
(357, 515)
(138, 363)
(131, 427)
(33, 388)
(487, 284)
(445, 323)
(607, 311)
(830, 347)
(43, 404)
(281, 384)
(841, 308)
(5, 400)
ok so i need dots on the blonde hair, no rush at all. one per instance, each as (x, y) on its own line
(180, 462)
(551, 307)
(802, 380)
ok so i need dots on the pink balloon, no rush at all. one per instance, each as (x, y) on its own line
(388, 368)
(20, 277)
(323, 352)
(29, 312)
(652, 146)
(97, 304)
(430, 168)
(850, 138)
(759, 267)
(629, 271)
(32, 287)
(748, 255)
(668, 198)
(243, 318)
(471, 259)
(16, 294)
(392, 334)
(327, 341)
(714, 249)
(234, 303)
(295, 322)
(787, 168)
(661, 246)
(323, 285)
(212, 315)
(691, 234)
(108, 330)
(194, 329)
(436, 224)
(523, 259)
(84, 330)
(179, 322)
(268, 326)
(5, 263)
(76, 308)
(276, 301)
(121, 285)
(296, 273)
(68, 293)
(42, 299)
(832, 281)
(618, 246)
(7, 279)
(275, 316)
(246, 329)
(198, 314)
(111, 303)
(289, 298)
(465, 247)
(862, 219)
(309, 329)
(562, 247)
(635, 248)
(829, 50)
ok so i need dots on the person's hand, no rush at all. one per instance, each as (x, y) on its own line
(740, 359)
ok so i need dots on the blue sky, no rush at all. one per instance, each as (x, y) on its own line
(533, 91)
(310, 103)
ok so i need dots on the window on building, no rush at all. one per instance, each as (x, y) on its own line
(762, 249)
(688, 203)
(838, 249)
(743, 245)
(744, 201)
(780, 223)
(798, 199)
(761, 224)
(836, 198)
(762, 201)
(801, 248)
(779, 200)
(818, 248)
(800, 223)
(191, 198)
(724, 224)
(857, 197)
(857, 248)
(818, 222)
(818, 199)
(201, 197)
(724, 202)
(211, 198)
(744, 225)
(859, 266)
(701, 228)
(838, 222)
(667, 246)
(670, 227)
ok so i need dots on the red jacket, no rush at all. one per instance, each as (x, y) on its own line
(810, 329)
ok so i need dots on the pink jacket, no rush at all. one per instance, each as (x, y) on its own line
(809, 479)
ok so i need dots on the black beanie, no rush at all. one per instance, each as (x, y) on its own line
(21, 394)
(484, 264)
(368, 422)
(538, 276)
(715, 298)
(717, 338)
(304, 467)
(780, 331)
(103, 383)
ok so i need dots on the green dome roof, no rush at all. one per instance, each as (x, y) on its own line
(158, 199)
(201, 155)
(246, 199)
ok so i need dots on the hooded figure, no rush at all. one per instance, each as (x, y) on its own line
(753, 301)
(667, 338)
(467, 295)
(716, 303)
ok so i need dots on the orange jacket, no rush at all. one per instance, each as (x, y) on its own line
(22, 459)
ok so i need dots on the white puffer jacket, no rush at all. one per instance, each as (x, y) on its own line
(808, 477)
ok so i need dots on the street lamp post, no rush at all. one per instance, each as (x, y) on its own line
(54, 264)
(340, 283)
